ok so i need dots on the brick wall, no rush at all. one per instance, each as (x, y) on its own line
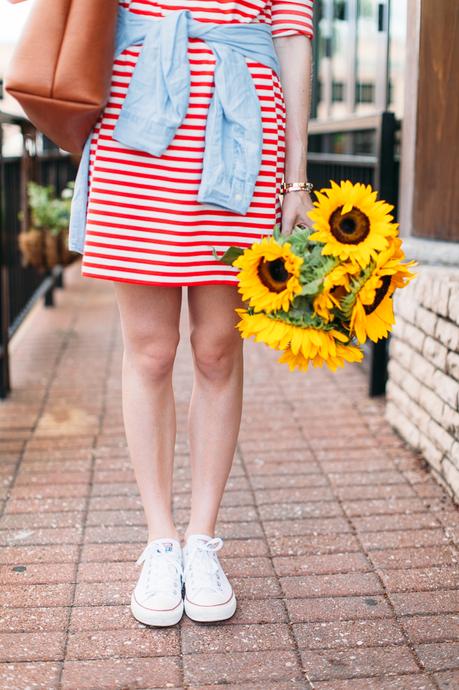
(423, 386)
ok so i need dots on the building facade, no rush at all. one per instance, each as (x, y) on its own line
(359, 57)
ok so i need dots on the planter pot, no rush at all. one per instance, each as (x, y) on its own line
(32, 247)
(43, 250)
(52, 247)
(67, 257)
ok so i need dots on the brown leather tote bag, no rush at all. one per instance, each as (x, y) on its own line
(60, 71)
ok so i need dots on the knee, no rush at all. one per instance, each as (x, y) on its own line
(216, 358)
(152, 358)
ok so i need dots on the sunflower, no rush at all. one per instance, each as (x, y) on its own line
(344, 353)
(269, 275)
(350, 223)
(372, 314)
(306, 343)
(334, 287)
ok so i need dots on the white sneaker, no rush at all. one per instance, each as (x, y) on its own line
(208, 593)
(157, 597)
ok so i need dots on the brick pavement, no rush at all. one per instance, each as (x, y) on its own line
(339, 543)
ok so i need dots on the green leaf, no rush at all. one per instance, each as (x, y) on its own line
(347, 303)
(48, 211)
(313, 287)
(277, 233)
(231, 254)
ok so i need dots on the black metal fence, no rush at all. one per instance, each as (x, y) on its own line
(360, 149)
(21, 287)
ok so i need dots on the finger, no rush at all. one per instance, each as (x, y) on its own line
(287, 225)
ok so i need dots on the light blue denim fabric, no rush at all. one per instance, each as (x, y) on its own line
(157, 100)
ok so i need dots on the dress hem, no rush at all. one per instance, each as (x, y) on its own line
(146, 282)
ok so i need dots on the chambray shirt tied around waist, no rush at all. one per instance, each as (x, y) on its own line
(157, 101)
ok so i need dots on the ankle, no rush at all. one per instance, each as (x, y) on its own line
(207, 531)
(163, 534)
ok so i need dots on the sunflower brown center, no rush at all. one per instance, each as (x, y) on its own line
(349, 228)
(273, 274)
(338, 291)
(381, 292)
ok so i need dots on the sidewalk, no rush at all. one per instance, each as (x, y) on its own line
(338, 542)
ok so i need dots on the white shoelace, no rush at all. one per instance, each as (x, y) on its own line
(162, 570)
(202, 565)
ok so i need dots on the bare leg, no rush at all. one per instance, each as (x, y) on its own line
(216, 401)
(150, 324)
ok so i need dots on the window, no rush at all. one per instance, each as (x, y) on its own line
(340, 10)
(338, 90)
(365, 92)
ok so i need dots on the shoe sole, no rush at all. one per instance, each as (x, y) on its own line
(155, 617)
(210, 614)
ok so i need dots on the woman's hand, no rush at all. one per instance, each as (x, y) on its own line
(295, 208)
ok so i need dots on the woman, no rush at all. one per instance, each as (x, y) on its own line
(151, 230)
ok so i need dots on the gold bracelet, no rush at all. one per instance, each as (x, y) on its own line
(296, 187)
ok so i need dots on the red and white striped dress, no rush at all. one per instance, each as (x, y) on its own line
(144, 222)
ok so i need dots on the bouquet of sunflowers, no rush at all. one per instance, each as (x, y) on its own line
(317, 294)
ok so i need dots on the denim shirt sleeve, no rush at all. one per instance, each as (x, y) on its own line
(79, 204)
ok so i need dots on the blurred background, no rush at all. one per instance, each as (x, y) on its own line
(385, 112)
(12, 19)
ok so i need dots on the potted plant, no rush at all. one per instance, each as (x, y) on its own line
(45, 243)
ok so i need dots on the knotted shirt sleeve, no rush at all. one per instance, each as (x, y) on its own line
(290, 17)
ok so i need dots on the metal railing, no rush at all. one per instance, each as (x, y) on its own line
(21, 287)
(378, 166)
